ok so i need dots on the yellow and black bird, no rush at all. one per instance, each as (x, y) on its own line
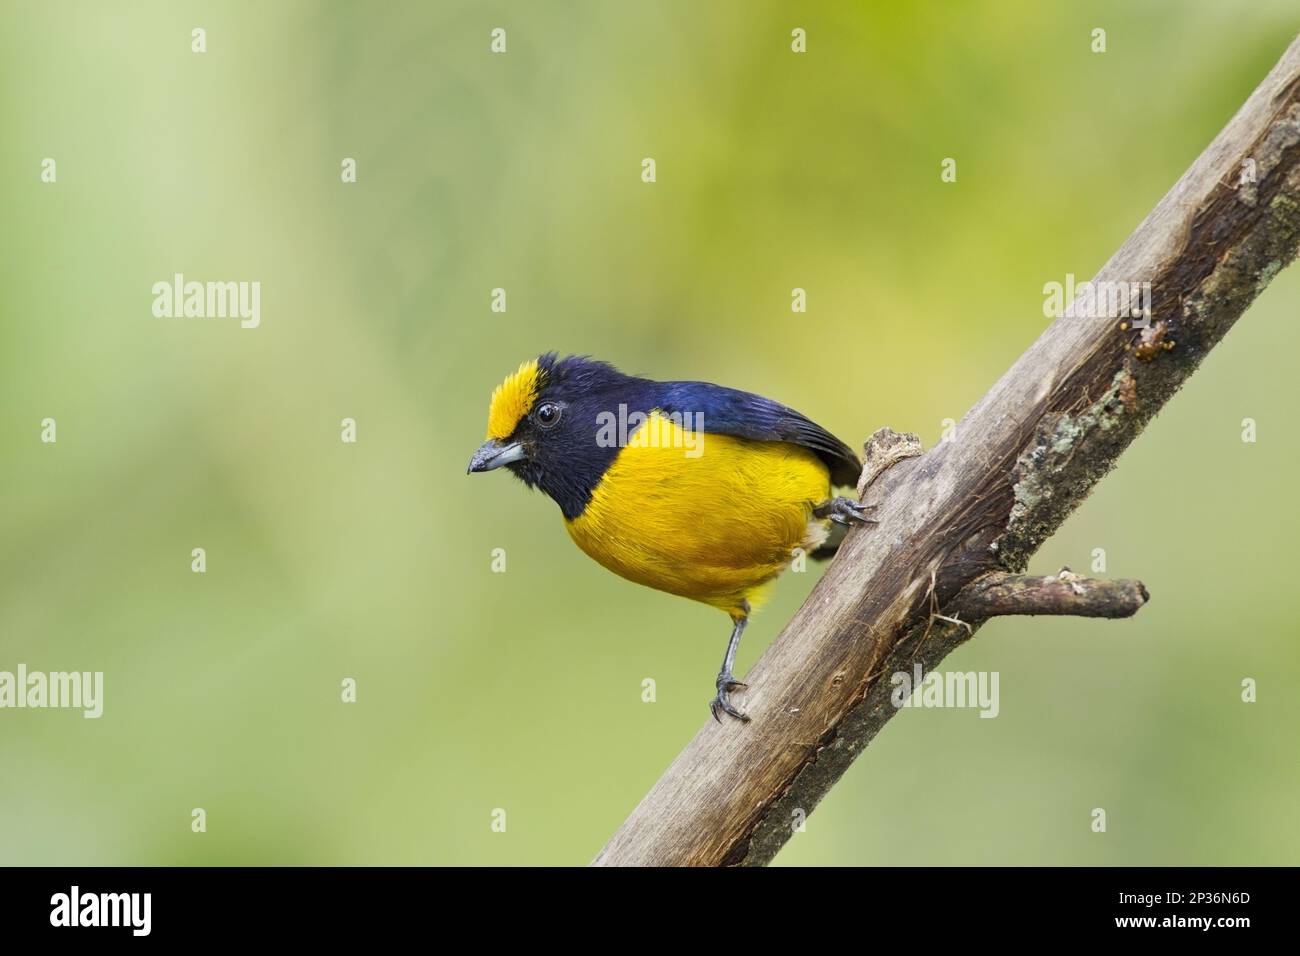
(687, 487)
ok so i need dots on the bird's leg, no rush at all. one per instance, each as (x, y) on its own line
(844, 511)
(726, 680)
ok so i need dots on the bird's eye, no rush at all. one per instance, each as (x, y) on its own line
(548, 413)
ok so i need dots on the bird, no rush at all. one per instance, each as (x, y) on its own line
(687, 487)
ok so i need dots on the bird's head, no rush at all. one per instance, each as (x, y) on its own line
(543, 426)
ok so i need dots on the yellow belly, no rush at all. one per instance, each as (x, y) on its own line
(715, 528)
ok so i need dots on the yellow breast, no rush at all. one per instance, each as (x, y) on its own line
(713, 524)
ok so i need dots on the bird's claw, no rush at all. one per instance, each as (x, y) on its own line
(845, 511)
(722, 702)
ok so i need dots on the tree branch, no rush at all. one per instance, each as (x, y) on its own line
(998, 594)
(1019, 462)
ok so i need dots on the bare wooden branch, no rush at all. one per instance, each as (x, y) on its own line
(998, 594)
(1018, 463)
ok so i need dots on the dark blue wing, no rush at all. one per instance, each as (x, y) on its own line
(729, 411)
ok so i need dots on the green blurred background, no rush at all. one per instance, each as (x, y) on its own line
(521, 690)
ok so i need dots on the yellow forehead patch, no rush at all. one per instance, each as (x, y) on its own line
(513, 399)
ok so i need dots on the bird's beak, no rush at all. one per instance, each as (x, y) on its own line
(494, 454)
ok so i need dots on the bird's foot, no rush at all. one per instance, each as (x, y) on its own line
(845, 511)
(722, 702)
